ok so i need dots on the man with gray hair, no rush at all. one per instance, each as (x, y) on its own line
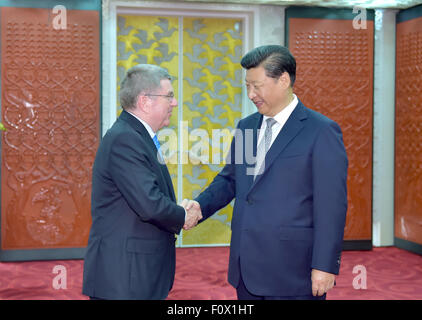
(131, 246)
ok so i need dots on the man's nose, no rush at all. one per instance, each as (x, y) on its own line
(174, 103)
(251, 94)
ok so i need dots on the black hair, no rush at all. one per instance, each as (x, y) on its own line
(275, 59)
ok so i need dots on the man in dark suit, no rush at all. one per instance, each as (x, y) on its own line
(290, 209)
(131, 246)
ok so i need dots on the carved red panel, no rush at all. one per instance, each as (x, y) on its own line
(50, 107)
(335, 77)
(408, 145)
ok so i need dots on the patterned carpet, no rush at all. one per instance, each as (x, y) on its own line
(201, 274)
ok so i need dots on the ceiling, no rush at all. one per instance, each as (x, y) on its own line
(373, 4)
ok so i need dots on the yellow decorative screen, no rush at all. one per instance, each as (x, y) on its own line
(210, 49)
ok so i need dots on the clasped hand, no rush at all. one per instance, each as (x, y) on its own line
(193, 213)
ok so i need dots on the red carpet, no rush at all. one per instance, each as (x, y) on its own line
(201, 274)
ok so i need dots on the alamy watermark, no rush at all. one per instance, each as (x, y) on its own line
(60, 17)
(359, 21)
(218, 146)
(359, 281)
(59, 281)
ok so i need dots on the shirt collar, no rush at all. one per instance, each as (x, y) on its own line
(284, 114)
(146, 125)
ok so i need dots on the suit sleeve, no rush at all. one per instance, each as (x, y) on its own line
(329, 167)
(222, 189)
(136, 179)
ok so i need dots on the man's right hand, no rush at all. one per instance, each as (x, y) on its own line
(193, 213)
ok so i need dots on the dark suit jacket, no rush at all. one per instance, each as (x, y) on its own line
(291, 218)
(131, 246)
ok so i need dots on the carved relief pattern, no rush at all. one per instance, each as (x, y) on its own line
(335, 77)
(50, 107)
(408, 145)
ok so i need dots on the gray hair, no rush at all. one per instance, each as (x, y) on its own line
(142, 78)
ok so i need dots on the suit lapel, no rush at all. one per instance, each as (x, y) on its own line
(255, 128)
(289, 131)
(168, 181)
(138, 127)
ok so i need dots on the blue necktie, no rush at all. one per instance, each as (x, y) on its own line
(156, 142)
(157, 145)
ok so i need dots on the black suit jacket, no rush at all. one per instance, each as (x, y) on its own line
(131, 246)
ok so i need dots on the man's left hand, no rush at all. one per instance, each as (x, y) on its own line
(321, 282)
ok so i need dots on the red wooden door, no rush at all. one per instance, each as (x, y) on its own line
(408, 126)
(335, 77)
(50, 105)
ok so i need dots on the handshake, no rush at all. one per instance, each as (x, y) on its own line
(193, 213)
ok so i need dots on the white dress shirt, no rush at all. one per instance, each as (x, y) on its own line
(280, 118)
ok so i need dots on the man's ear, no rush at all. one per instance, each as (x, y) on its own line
(285, 80)
(142, 103)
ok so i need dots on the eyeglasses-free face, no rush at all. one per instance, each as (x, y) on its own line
(268, 94)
